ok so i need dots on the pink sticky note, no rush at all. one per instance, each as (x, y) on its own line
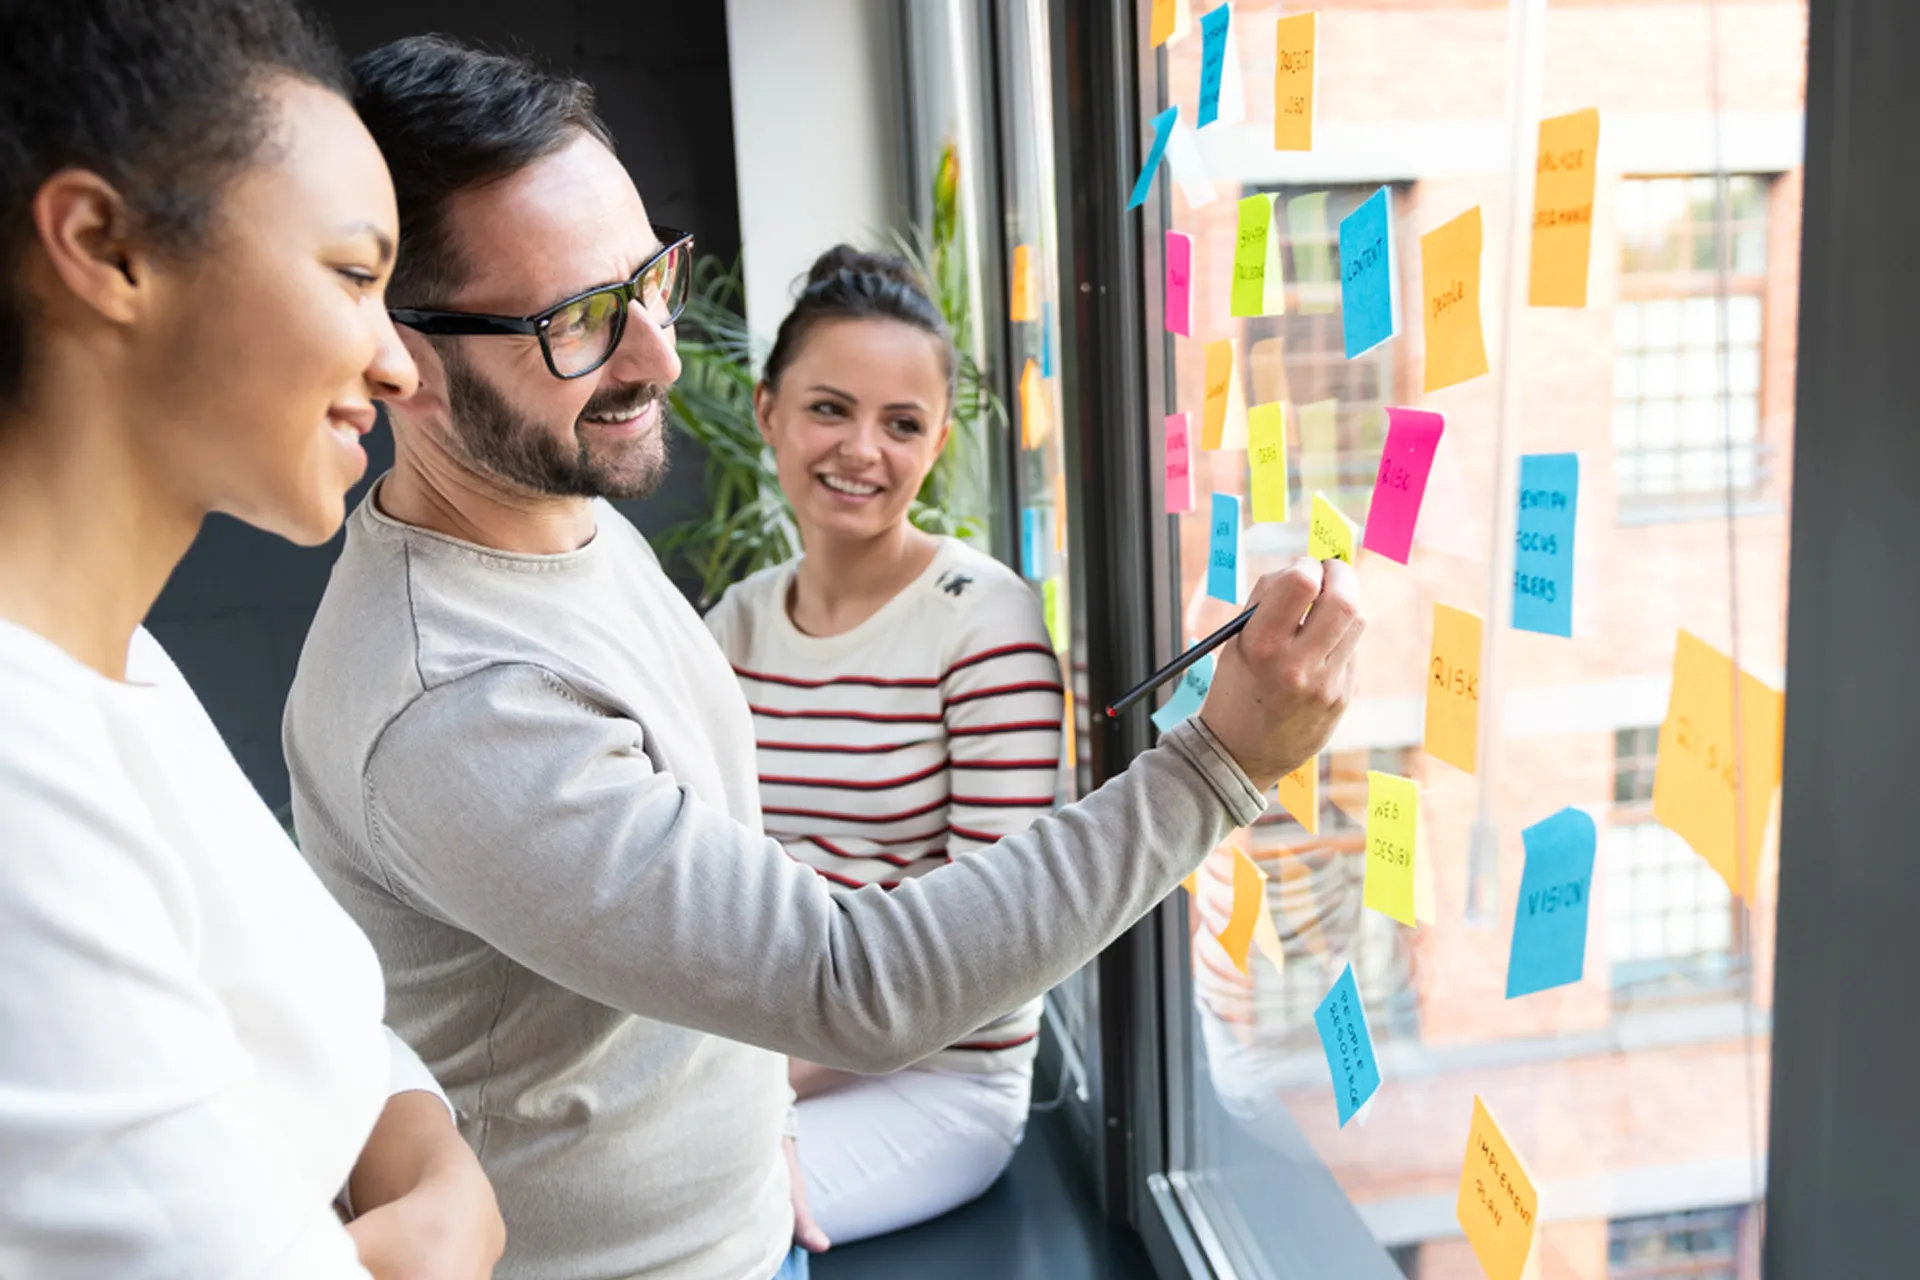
(1180, 284)
(1412, 437)
(1179, 465)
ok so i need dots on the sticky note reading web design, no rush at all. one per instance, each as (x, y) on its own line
(1299, 795)
(1563, 210)
(1369, 277)
(1170, 20)
(1179, 464)
(1393, 818)
(1312, 253)
(1329, 534)
(1453, 687)
(1450, 277)
(1249, 904)
(1156, 151)
(1413, 436)
(1342, 1020)
(1188, 693)
(1550, 920)
(1223, 551)
(1712, 789)
(1267, 461)
(1222, 95)
(1543, 551)
(1180, 283)
(1497, 1204)
(1258, 287)
(1294, 40)
(1022, 305)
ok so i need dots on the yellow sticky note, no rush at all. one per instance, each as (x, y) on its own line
(1696, 786)
(1329, 534)
(1266, 938)
(1258, 288)
(1170, 19)
(1249, 904)
(1050, 608)
(1498, 1203)
(1035, 413)
(1453, 687)
(1563, 210)
(1393, 823)
(1022, 304)
(1293, 59)
(1267, 456)
(1219, 386)
(1450, 278)
(1299, 795)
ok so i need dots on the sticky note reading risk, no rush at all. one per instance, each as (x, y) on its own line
(1393, 819)
(1222, 95)
(1022, 304)
(1267, 460)
(1299, 795)
(1450, 275)
(1329, 534)
(1179, 464)
(1497, 1204)
(1219, 392)
(1249, 904)
(1312, 252)
(1563, 210)
(1170, 21)
(1453, 687)
(1713, 789)
(1223, 550)
(1156, 151)
(1188, 694)
(1294, 40)
(1259, 289)
(1369, 278)
(1550, 920)
(1543, 554)
(1342, 1020)
(1413, 437)
(1179, 294)
(1036, 416)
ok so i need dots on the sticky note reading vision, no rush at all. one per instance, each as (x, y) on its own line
(1497, 1203)
(1329, 533)
(1258, 287)
(1294, 39)
(1219, 391)
(1413, 436)
(1563, 210)
(1156, 151)
(1543, 553)
(1550, 920)
(1180, 283)
(1188, 694)
(1393, 819)
(1179, 464)
(1222, 95)
(1342, 1020)
(1299, 795)
(1698, 792)
(1312, 252)
(1036, 416)
(1369, 278)
(1223, 551)
(1267, 458)
(1450, 275)
(1249, 904)
(1453, 687)
(1022, 305)
(1170, 21)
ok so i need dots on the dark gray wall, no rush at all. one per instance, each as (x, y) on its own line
(237, 609)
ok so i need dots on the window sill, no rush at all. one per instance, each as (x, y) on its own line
(1695, 512)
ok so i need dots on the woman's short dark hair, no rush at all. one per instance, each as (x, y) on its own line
(846, 284)
(164, 100)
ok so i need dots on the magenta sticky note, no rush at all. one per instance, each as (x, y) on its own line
(1180, 283)
(1179, 464)
(1412, 437)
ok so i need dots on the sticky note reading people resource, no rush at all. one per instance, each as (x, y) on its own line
(1036, 410)
(1293, 58)
(1267, 462)
(1369, 277)
(1299, 795)
(1453, 687)
(1312, 252)
(1712, 789)
(1258, 287)
(1219, 392)
(1249, 904)
(1563, 210)
(1550, 920)
(1393, 819)
(1497, 1204)
(1329, 533)
(1179, 464)
(1022, 305)
(1170, 21)
(1413, 437)
(1543, 554)
(1342, 1020)
(1179, 283)
(1450, 275)
(1188, 694)
(1223, 97)
(1223, 550)
(1156, 151)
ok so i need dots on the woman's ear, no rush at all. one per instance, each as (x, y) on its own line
(940, 441)
(763, 411)
(84, 231)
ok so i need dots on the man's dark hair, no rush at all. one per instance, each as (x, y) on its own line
(449, 119)
(167, 101)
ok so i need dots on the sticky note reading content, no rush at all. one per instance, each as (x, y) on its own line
(1299, 795)
(1342, 1020)
(1393, 818)
(1543, 554)
(1450, 275)
(1369, 278)
(1022, 304)
(1222, 95)
(1413, 436)
(1329, 534)
(1550, 920)
(1249, 904)
(1453, 687)
(1267, 459)
(1294, 40)
(1223, 552)
(1156, 151)
(1179, 464)
(1563, 210)
(1312, 252)
(1180, 283)
(1258, 287)
(1497, 1204)
(1219, 392)
(1188, 695)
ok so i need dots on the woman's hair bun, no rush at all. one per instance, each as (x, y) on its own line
(846, 284)
(844, 260)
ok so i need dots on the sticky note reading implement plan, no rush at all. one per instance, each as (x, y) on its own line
(1497, 1204)
(1188, 694)
(1267, 459)
(1162, 130)
(1180, 283)
(1179, 464)
(1550, 920)
(1293, 83)
(1223, 552)
(1543, 555)
(1450, 276)
(1563, 210)
(1369, 280)
(1222, 95)
(1342, 1020)
(1258, 287)
(1413, 436)
(1453, 687)
(1329, 534)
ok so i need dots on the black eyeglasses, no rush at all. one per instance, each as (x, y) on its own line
(580, 334)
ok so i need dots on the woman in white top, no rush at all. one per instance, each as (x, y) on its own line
(907, 705)
(195, 233)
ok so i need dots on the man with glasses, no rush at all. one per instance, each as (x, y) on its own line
(523, 765)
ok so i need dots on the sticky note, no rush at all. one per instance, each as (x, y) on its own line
(1223, 550)
(1497, 1204)
(1266, 939)
(1312, 253)
(1219, 392)
(1156, 151)
(1258, 287)
(1192, 883)
(1023, 304)
(1393, 813)
(1179, 295)
(1299, 795)
(1223, 96)
(1036, 409)
(1319, 424)
(1543, 554)
(1563, 210)
(1698, 793)
(1342, 1020)
(1267, 460)
(1051, 609)
(1249, 904)
(1189, 170)
(1033, 542)
(1179, 464)
(1189, 692)
(1453, 687)
(1550, 920)
(1329, 534)
(1450, 277)
(1060, 510)
(1294, 40)
(1413, 436)
(1046, 340)
(1369, 276)
(1170, 20)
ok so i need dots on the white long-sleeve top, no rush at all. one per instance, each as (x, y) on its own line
(191, 1047)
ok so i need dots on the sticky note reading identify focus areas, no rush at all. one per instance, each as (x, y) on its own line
(1393, 824)
(1453, 687)
(1299, 795)
(1156, 151)
(1369, 278)
(1329, 534)
(1550, 920)
(1222, 95)
(1223, 423)
(1179, 464)
(1179, 283)
(1712, 789)
(1036, 411)
(1267, 459)
(1413, 437)
(1022, 304)
(1258, 287)
(1188, 694)
(1170, 21)
(1563, 210)
(1249, 904)
(1543, 554)
(1294, 40)
(1497, 1204)
(1312, 252)
(1223, 550)
(1342, 1020)
(1450, 275)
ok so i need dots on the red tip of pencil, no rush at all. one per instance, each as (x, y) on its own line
(1111, 713)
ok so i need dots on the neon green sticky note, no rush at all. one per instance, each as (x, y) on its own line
(1267, 456)
(1393, 822)
(1329, 534)
(1259, 288)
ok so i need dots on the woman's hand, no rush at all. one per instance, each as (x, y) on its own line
(424, 1209)
(806, 1232)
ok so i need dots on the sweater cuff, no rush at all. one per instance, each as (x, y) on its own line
(1193, 740)
(406, 1073)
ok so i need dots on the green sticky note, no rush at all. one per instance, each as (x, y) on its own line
(1051, 606)
(1259, 289)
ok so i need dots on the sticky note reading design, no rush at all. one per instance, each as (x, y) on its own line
(1222, 95)
(1294, 40)
(1543, 554)
(1036, 412)
(1052, 609)
(1179, 464)
(1170, 21)
(1267, 459)
(1413, 436)
(1329, 534)
(1249, 904)
(1699, 792)
(1342, 1020)
(1550, 920)
(1450, 275)
(1180, 283)
(1156, 151)
(1393, 819)
(1369, 277)
(1453, 687)
(1188, 694)
(1299, 795)
(1497, 1204)
(1219, 392)
(1223, 550)
(1258, 287)
(1022, 305)
(1312, 253)
(1563, 210)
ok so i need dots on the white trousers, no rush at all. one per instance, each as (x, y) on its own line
(886, 1152)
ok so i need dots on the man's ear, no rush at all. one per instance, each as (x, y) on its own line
(84, 230)
(762, 411)
(429, 399)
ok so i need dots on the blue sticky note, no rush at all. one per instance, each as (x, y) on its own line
(1550, 922)
(1369, 280)
(1213, 63)
(1162, 130)
(1046, 339)
(1543, 552)
(1342, 1020)
(1187, 695)
(1223, 551)
(1033, 542)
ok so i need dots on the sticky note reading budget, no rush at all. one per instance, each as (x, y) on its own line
(1543, 554)
(1342, 1020)
(1369, 278)
(1022, 305)
(1329, 534)
(1294, 40)
(1550, 920)
(1453, 687)
(1267, 460)
(1249, 904)
(1222, 95)
(1188, 695)
(1698, 791)
(1497, 1204)
(1170, 21)
(1312, 252)
(1563, 210)
(1180, 283)
(1450, 275)
(1219, 392)
(1179, 464)
(1299, 795)
(1036, 416)
(1393, 819)
(1223, 552)
(1156, 151)
(1258, 287)
(1413, 436)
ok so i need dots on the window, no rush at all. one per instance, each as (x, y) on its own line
(1701, 1244)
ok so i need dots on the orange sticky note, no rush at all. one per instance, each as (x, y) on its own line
(1219, 389)
(1060, 510)
(1035, 413)
(1266, 938)
(1453, 687)
(1170, 19)
(1498, 1203)
(1023, 305)
(1563, 210)
(1249, 904)
(1299, 795)
(1393, 827)
(1267, 458)
(1450, 279)
(1293, 60)
(1697, 790)
(1192, 883)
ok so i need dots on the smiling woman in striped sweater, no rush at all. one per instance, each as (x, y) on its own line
(907, 707)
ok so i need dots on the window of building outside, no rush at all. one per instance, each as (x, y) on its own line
(1703, 1244)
